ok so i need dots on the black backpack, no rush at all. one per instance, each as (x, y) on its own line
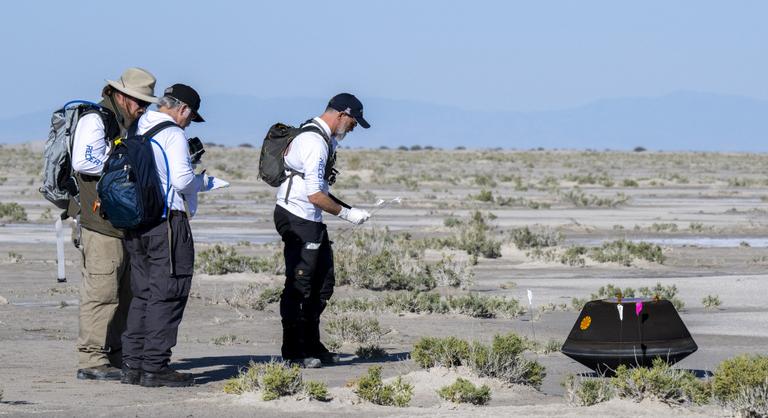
(272, 167)
(130, 191)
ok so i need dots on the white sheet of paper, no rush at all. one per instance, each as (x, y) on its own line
(218, 184)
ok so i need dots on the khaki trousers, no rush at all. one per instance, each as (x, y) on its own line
(105, 295)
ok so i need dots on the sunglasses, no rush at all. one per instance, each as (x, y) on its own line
(141, 103)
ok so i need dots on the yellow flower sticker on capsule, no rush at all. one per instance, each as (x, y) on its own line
(585, 322)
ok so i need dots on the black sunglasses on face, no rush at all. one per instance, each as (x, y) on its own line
(142, 104)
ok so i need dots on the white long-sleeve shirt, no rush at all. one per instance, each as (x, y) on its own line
(89, 147)
(173, 140)
(307, 154)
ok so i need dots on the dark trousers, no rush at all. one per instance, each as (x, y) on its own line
(309, 282)
(159, 296)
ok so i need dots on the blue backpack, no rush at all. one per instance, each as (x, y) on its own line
(130, 191)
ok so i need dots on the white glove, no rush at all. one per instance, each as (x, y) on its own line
(354, 215)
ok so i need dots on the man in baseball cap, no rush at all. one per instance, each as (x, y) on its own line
(347, 103)
(162, 256)
(188, 96)
(301, 201)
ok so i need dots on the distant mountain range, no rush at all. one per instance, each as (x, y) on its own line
(678, 121)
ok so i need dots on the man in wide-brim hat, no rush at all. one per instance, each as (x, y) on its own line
(105, 292)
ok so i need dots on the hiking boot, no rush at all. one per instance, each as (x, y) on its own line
(103, 372)
(130, 376)
(306, 362)
(166, 377)
(328, 358)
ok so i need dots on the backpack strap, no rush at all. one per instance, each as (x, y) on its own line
(149, 135)
(308, 126)
(157, 128)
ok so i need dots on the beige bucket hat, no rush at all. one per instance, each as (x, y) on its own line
(136, 82)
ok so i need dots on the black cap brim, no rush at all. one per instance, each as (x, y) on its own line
(362, 122)
(198, 118)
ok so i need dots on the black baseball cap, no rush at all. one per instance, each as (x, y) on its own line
(189, 96)
(349, 104)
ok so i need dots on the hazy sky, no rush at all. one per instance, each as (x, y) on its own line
(486, 55)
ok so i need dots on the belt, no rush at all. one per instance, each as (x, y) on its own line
(179, 213)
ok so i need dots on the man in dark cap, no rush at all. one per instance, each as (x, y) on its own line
(298, 216)
(162, 255)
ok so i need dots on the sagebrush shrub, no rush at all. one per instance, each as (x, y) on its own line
(356, 330)
(13, 211)
(662, 383)
(274, 379)
(221, 259)
(625, 252)
(587, 391)
(463, 391)
(734, 374)
(371, 388)
(317, 390)
(504, 359)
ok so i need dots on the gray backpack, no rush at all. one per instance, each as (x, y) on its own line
(59, 185)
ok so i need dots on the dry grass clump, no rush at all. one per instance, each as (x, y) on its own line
(663, 292)
(463, 391)
(579, 198)
(585, 391)
(711, 302)
(356, 330)
(503, 359)
(370, 352)
(14, 257)
(473, 235)
(661, 383)
(664, 227)
(611, 291)
(380, 260)
(275, 380)
(227, 339)
(223, 259)
(741, 384)
(371, 388)
(471, 304)
(253, 297)
(13, 212)
(602, 179)
(625, 252)
(317, 390)
(524, 238)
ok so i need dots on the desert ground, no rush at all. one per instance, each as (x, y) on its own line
(706, 212)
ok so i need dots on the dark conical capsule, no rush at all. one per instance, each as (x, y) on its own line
(602, 342)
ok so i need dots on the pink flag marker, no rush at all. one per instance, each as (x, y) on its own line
(638, 307)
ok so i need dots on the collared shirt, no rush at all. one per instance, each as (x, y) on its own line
(89, 147)
(173, 140)
(307, 154)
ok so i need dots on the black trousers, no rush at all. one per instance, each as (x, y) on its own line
(309, 282)
(159, 297)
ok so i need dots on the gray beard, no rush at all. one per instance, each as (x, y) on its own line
(340, 136)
